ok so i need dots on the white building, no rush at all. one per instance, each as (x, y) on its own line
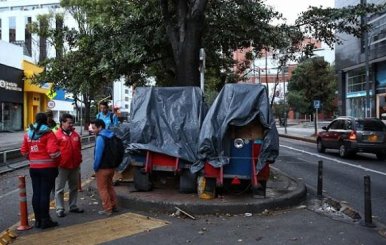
(15, 15)
(122, 97)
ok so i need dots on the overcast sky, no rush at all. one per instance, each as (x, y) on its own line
(291, 8)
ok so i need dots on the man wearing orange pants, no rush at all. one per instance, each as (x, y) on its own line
(103, 167)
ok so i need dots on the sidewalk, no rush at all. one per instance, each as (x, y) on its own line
(151, 217)
(301, 131)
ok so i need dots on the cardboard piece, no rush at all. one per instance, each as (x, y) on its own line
(251, 131)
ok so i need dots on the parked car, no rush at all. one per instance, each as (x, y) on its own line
(351, 135)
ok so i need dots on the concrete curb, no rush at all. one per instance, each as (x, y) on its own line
(167, 201)
(302, 138)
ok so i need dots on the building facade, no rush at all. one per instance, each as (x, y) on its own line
(11, 88)
(15, 15)
(35, 96)
(361, 67)
(122, 99)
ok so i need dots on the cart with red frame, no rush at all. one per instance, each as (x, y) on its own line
(237, 141)
(241, 172)
(145, 166)
(165, 124)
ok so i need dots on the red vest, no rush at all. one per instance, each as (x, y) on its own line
(43, 152)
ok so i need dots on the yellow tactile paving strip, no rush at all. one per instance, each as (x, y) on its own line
(95, 232)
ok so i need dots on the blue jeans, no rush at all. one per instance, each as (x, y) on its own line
(43, 180)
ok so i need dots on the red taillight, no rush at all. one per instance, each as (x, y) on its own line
(235, 181)
(352, 135)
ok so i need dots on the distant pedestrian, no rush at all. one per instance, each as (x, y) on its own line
(40, 147)
(69, 167)
(103, 167)
(108, 117)
(51, 123)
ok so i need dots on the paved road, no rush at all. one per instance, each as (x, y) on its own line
(343, 178)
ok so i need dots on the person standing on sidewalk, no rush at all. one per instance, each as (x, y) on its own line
(69, 167)
(51, 122)
(40, 147)
(103, 167)
(109, 118)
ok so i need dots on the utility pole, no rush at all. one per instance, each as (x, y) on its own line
(285, 106)
(202, 69)
(266, 66)
(81, 115)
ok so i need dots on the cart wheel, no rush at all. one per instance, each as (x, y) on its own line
(142, 180)
(188, 181)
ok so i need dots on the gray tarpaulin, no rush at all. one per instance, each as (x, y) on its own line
(238, 105)
(167, 120)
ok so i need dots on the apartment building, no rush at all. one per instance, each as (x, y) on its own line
(361, 67)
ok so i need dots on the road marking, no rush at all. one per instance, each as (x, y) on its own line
(9, 193)
(95, 232)
(335, 160)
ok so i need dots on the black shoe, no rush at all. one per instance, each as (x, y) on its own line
(60, 213)
(38, 223)
(115, 210)
(77, 210)
(48, 223)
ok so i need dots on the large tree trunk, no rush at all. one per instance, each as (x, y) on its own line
(185, 38)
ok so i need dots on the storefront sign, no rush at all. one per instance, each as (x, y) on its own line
(51, 104)
(9, 86)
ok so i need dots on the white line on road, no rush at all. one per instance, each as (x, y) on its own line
(9, 193)
(335, 160)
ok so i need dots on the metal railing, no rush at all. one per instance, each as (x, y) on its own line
(14, 154)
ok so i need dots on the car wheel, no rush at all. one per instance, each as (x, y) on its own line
(343, 152)
(381, 156)
(320, 146)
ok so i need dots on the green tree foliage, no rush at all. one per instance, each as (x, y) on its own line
(313, 79)
(160, 39)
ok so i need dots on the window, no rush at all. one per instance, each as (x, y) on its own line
(12, 29)
(370, 125)
(348, 125)
(126, 91)
(126, 98)
(356, 83)
(338, 124)
(28, 36)
(126, 106)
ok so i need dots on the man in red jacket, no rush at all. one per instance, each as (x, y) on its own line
(69, 166)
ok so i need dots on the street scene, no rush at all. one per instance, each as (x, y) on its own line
(202, 122)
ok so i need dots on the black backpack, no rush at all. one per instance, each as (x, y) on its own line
(114, 147)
